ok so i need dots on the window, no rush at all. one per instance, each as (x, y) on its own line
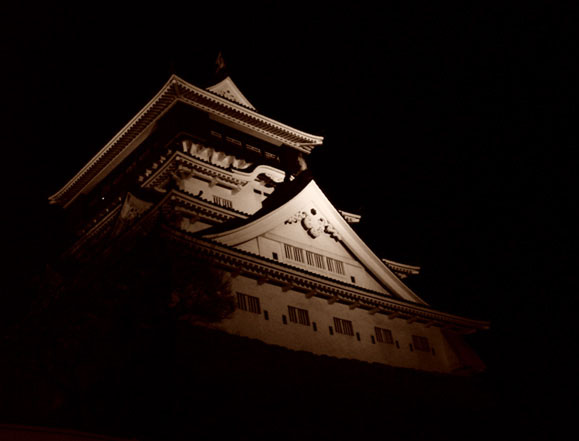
(313, 259)
(248, 303)
(343, 326)
(233, 141)
(421, 343)
(294, 253)
(335, 266)
(252, 148)
(222, 202)
(297, 315)
(383, 335)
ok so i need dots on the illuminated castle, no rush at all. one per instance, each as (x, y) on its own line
(232, 185)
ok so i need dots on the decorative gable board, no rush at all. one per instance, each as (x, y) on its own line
(309, 220)
(293, 244)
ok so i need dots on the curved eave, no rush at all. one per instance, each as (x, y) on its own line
(176, 89)
(312, 193)
(243, 116)
(402, 267)
(243, 262)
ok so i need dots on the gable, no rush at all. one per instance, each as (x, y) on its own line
(308, 221)
(308, 231)
(227, 89)
(305, 241)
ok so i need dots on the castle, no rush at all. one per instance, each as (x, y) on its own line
(231, 185)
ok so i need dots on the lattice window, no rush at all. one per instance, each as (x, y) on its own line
(233, 141)
(294, 253)
(248, 303)
(420, 343)
(383, 335)
(252, 148)
(222, 202)
(335, 266)
(297, 315)
(343, 326)
(314, 259)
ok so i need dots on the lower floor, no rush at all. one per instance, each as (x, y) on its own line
(294, 320)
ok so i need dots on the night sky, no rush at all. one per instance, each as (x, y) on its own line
(451, 131)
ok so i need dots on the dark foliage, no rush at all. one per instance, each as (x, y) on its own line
(94, 325)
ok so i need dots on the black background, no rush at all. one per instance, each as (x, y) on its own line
(450, 130)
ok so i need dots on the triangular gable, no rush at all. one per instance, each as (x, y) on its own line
(313, 214)
(227, 89)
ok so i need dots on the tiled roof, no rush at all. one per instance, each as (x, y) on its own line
(348, 291)
(176, 89)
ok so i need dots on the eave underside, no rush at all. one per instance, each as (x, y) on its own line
(174, 91)
(265, 270)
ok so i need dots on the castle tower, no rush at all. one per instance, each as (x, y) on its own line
(232, 185)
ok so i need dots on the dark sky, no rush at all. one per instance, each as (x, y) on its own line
(451, 130)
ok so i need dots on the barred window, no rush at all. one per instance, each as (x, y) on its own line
(222, 202)
(383, 335)
(313, 259)
(248, 303)
(233, 141)
(294, 253)
(343, 326)
(421, 343)
(335, 266)
(252, 148)
(297, 315)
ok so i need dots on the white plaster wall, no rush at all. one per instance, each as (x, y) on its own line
(362, 277)
(268, 247)
(300, 337)
(250, 245)
(244, 199)
(295, 235)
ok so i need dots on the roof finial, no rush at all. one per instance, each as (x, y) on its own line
(220, 71)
